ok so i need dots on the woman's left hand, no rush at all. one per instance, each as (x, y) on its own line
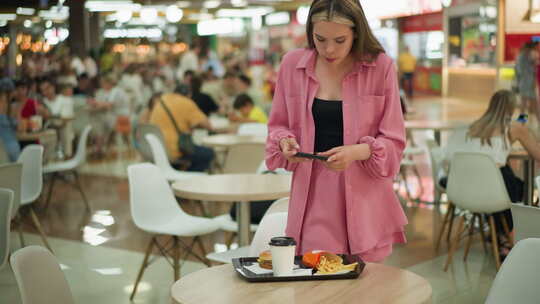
(339, 158)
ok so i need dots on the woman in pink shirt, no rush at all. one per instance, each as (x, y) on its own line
(339, 98)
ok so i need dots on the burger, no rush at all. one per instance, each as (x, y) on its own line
(265, 259)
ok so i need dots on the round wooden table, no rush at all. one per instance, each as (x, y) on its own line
(377, 284)
(435, 125)
(239, 188)
(227, 140)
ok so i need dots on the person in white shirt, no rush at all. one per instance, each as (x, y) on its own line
(60, 107)
(110, 104)
(189, 61)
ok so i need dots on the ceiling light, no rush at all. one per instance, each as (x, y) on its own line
(244, 13)
(27, 23)
(183, 4)
(173, 13)
(149, 15)
(302, 14)
(124, 15)
(25, 11)
(211, 4)
(239, 3)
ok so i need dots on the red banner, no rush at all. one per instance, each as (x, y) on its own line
(514, 42)
(422, 23)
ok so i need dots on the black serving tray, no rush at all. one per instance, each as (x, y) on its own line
(244, 273)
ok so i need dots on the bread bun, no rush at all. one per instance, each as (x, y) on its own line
(265, 259)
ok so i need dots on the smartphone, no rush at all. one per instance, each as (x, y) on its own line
(522, 118)
(312, 156)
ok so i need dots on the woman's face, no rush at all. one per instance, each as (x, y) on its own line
(333, 41)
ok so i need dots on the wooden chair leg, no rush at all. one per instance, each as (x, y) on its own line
(230, 239)
(18, 222)
(143, 267)
(451, 224)
(40, 229)
(176, 258)
(455, 244)
(470, 237)
(51, 187)
(200, 243)
(507, 231)
(482, 233)
(444, 226)
(79, 187)
(494, 242)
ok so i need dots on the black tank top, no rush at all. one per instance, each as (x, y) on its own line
(328, 117)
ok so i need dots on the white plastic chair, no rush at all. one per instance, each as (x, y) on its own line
(39, 277)
(162, 161)
(244, 158)
(271, 225)
(517, 280)
(155, 210)
(279, 206)
(253, 128)
(475, 184)
(70, 165)
(11, 178)
(526, 221)
(31, 159)
(6, 203)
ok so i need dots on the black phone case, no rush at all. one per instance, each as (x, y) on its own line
(312, 156)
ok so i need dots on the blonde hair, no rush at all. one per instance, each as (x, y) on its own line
(496, 118)
(348, 12)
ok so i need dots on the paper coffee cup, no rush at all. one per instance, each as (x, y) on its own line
(283, 250)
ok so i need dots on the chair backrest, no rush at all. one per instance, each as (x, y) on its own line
(159, 155)
(518, 277)
(31, 159)
(270, 226)
(280, 205)
(151, 198)
(143, 146)
(39, 277)
(253, 128)
(263, 168)
(6, 204)
(11, 178)
(475, 183)
(80, 154)
(526, 221)
(244, 158)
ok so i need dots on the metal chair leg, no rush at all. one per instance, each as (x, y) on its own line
(143, 267)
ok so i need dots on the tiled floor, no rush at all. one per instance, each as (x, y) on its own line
(103, 250)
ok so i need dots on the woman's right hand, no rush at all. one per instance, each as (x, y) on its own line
(289, 147)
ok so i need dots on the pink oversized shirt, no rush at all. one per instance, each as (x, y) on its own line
(372, 115)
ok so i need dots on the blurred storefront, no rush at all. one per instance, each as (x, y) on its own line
(423, 35)
(471, 28)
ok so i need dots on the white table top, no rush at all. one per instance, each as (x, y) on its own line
(234, 187)
(377, 284)
(433, 124)
(227, 140)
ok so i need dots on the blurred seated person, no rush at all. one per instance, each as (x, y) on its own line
(84, 86)
(187, 116)
(8, 123)
(244, 86)
(25, 108)
(493, 134)
(203, 101)
(249, 112)
(61, 108)
(222, 91)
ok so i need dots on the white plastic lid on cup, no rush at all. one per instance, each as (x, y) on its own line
(283, 250)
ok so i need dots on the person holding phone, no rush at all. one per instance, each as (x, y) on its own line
(339, 98)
